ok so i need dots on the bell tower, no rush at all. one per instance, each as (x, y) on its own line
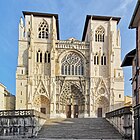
(36, 61)
(106, 75)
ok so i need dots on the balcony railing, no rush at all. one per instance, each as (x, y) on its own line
(121, 119)
(20, 123)
(119, 112)
(68, 44)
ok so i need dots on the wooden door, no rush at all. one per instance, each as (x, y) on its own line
(76, 111)
(68, 111)
(99, 112)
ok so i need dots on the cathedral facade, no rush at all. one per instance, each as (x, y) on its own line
(69, 78)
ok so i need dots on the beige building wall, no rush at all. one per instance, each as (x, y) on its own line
(127, 100)
(2, 88)
(7, 100)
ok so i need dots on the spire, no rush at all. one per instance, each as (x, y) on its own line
(53, 34)
(118, 38)
(21, 21)
(21, 28)
(32, 27)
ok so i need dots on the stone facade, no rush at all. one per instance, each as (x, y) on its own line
(7, 100)
(69, 78)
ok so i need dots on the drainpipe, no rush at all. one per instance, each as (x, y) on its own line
(137, 86)
(137, 68)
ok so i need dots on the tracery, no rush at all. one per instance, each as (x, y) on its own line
(72, 64)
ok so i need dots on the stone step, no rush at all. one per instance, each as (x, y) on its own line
(79, 128)
(11, 138)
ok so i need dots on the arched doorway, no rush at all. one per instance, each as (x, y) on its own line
(72, 101)
(42, 104)
(102, 106)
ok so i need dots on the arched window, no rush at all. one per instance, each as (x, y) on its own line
(65, 70)
(79, 70)
(72, 64)
(39, 56)
(82, 70)
(76, 70)
(69, 70)
(72, 69)
(47, 57)
(99, 34)
(103, 60)
(96, 59)
(43, 30)
(62, 70)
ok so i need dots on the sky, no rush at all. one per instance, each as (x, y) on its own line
(72, 15)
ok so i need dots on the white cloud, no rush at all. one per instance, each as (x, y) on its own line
(123, 7)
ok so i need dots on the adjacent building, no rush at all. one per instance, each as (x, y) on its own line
(69, 78)
(133, 59)
(7, 100)
(127, 101)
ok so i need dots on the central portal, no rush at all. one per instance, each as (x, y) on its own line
(76, 111)
(72, 99)
(70, 112)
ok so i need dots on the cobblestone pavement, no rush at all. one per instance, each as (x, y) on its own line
(81, 128)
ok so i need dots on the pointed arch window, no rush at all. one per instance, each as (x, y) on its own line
(103, 60)
(69, 70)
(99, 34)
(43, 30)
(72, 64)
(62, 70)
(39, 56)
(96, 59)
(72, 69)
(79, 70)
(65, 70)
(47, 57)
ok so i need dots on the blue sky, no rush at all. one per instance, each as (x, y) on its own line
(72, 14)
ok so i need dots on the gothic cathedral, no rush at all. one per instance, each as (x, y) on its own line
(69, 78)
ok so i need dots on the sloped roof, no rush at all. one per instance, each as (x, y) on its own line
(128, 59)
(136, 16)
